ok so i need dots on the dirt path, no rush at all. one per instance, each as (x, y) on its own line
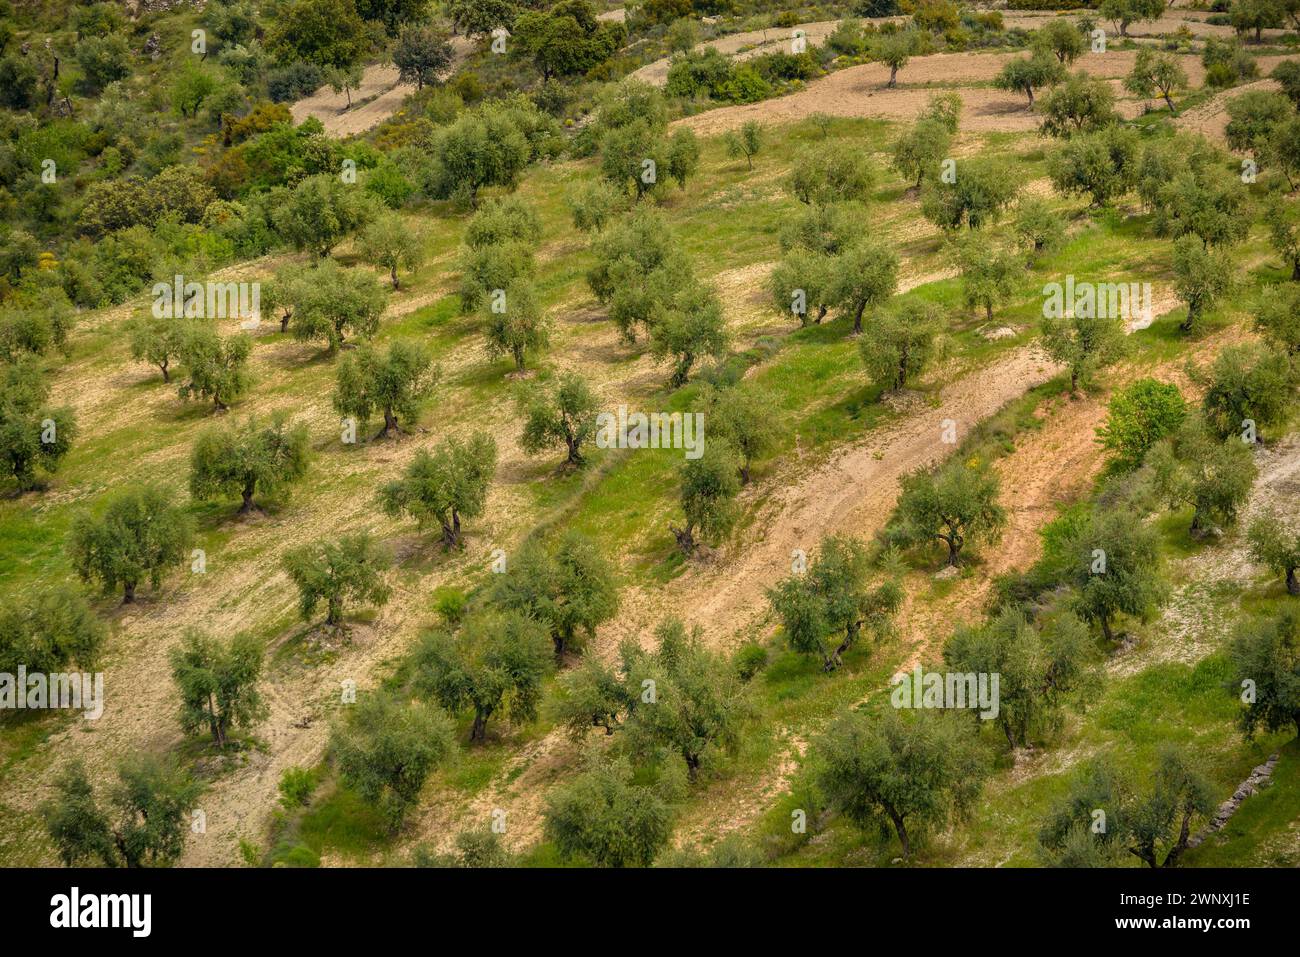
(380, 96)
(1211, 119)
(851, 493)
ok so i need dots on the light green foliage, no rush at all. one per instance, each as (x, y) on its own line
(393, 383)
(337, 573)
(825, 608)
(218, 683)
(568, 585)
(494, 663)
(901, 770)
(955, 502)
(248, 458)
(388, 747)
(565, 414)
(444, 486)
(139, 535)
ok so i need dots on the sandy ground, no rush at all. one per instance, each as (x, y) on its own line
(861, 91)
(380, 96)
(742, 46)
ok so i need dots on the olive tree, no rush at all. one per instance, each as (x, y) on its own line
(218, 683)
(920, 149)
(974, 196)
(834, 173)
(1081, 104)
(1265, 656)
(144, 822)
(684, 697)
(1247, 388)
(1193, 467)
(493, 663)
(897, 347)
(44, 629)
(391, 242)
(216, 368)
(825, 608)
(1113, 563)
(1083, 343)
(1026, 74)
(337, 573)
(865, 276)
(686, 328)
(393, 383)
(334, 303)
(603, 817)
(515, 324)
(1202, 275)
(894, 50)
(33, 434)
(709, 485)
(1042, 668)
(988, 273)
(903, 770)
(955, 502)
(564, 415)
(158, 342)
(1156, 72)
(743, 417)
(1101, 165)
(1277, 548)
(568, 585)
(445, 485)
(138, 535)
(248, 458)
(386, 749)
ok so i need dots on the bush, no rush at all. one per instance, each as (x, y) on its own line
(294, 81)
(296, 785)
(750, 660)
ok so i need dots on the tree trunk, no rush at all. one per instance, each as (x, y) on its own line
(249, 487)
(390, 423)
(334, 612)
(685, 538)
(1105, 627)
(393, 273)
(479, 731)
(1292, 585)
(128, 592)
(893, 76)
(1295, 271)
(857, 318)
(167, 376)
(1030, 91)
(901, 828)
(1171, 859)
(1172, 109)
